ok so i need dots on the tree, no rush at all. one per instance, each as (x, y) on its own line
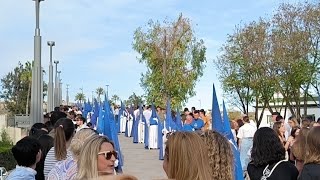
(274, 56)
(80, 97)
(99, 92)
(16, 89)
(134, 100)
(174, 59)
(27, 76)
(115, 98)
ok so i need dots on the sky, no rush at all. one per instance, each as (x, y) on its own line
(94, 40)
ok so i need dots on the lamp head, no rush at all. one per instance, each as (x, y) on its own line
(51, 43)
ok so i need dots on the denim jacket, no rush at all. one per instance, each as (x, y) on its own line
(22, 173)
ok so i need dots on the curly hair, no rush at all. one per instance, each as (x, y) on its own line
(220, 155)
(267, 148)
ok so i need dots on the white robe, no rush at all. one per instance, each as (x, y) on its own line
(153, 135)
(141, 129)
(130, 123)
(123, 121)
(164, 137)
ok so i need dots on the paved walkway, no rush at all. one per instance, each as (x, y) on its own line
(140, 162)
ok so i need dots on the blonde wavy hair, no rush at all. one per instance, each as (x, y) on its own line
(78, 140)
(220, 155)
(88, 158)
(116, 177)
(313, 146)
(187, 157)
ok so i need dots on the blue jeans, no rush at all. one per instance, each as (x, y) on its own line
(246, 144)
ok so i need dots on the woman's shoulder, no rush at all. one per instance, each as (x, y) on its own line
(288, 168)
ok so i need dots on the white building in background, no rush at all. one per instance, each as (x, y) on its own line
(313, 110)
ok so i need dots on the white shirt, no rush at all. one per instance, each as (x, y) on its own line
(136, 113)
(116, 111)
(246, 131)
(147, 114)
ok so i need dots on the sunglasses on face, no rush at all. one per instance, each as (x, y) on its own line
(108, 154)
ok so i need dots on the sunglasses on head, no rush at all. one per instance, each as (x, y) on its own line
(108, 154)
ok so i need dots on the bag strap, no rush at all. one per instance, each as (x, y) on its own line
(267, 173)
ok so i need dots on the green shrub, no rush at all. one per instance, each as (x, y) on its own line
(6, 157)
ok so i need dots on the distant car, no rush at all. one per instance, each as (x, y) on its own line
(3, 173)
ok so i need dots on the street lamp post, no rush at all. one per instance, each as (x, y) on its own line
(58, 89)
(107, 91)
(92, 98)
(200, 103)
(81, 95)
(50, 106)
(67, 95)
(56, 85)
(36, 113)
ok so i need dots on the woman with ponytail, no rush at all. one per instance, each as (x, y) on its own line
(64, 131)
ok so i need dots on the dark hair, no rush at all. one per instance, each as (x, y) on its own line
(196, 112)
(37, 130)
(49, 125)
(89, 124)
(65, 108)
(83, 119)
(72, 113)
(278, 118)
(275, 114)
(305, 123)
(240, 122)
(203, 111)
(56, 115)
(193, 108)
(25, 151)
(267, 148)
(46, 143)
(57, 109)
(293, 131)
(246, 119)
(276, 127)
(191, 114)
(64, 130)
(185, 110)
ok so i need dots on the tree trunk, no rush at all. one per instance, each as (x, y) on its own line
(27, 105)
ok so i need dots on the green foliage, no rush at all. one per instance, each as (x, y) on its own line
(270, 56)
(80, 97)
(6, 158)
(115, 99)
(134, 100)
(5, 138)
(99, 91)
(16, 88)
(174, 59)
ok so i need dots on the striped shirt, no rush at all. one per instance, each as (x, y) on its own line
(64, 170)
(51, 160)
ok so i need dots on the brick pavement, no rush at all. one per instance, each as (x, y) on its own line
(140, 162)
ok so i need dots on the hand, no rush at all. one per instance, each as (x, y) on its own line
(290, 139)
